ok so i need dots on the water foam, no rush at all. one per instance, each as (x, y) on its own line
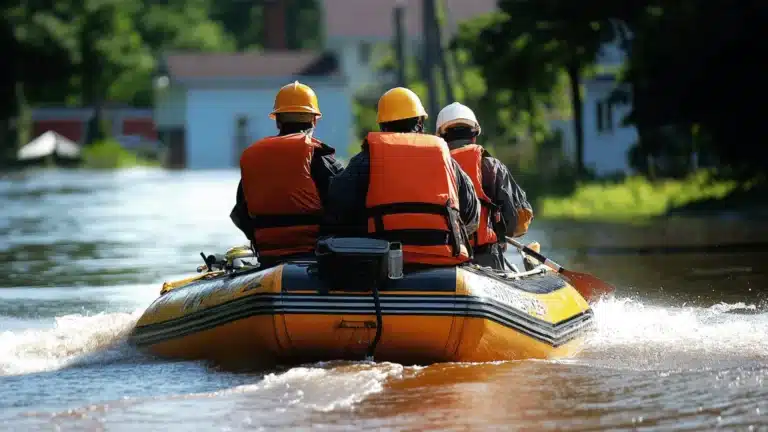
(323, 387)
(74, 339)
(292, 395)
(634, 334)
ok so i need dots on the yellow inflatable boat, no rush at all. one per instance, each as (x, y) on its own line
(354, 302)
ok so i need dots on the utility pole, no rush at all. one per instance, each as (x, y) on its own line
(398, 16)
(431, 45)
(453, 60)
(446, 73)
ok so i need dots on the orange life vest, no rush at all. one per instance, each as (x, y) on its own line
(470, 159)
(282, 198)
(413, 198)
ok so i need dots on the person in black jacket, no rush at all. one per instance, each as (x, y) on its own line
(346, 212)
(457, 124)
(273, 191)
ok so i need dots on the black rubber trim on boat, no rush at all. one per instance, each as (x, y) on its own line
(262, 304)
(297, 277)
(362, 304)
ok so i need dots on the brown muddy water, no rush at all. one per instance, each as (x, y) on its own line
(682, 346)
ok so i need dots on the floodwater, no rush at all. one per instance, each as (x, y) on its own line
(682, 346)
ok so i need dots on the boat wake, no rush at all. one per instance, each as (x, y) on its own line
(629, 334)
(324, 387)
(276, 400)
(75, 340)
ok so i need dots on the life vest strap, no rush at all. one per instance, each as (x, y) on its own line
(489, 205)
(285, 220)
(498, 224)
(420, 237)
(417, 237)
(408, 207)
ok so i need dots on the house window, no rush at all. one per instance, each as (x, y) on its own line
(604, 116)
(599, 115)
(241, 134)
(364, 52)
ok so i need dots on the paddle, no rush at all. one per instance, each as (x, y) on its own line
(587, 285)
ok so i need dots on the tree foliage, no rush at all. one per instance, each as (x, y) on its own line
(531, 44)
(90, 52)
(694, 66)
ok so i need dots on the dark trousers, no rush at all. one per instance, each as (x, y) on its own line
(490, 256)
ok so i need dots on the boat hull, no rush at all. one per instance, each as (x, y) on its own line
(287, 315)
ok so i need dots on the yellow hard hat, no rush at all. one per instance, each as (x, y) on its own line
(399, 103)
(296, 98)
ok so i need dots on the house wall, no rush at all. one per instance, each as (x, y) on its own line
(73, 129)
(212, 122)
(72, 122)
(142, 126)
(606, 145)
(606, 142)
(359, 71)
(170, 107)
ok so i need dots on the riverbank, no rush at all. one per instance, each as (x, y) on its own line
(637, 198)
(109, 154)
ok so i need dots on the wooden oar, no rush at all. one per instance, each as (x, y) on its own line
(590, 287)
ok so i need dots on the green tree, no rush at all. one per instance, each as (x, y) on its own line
(94, 51)
(533, 42)
(38, 62)
(691, 78)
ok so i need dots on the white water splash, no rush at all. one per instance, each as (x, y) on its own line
(632, 334)
(73, 339)
(325, 390)
(629, 333)
(324, 387)
(276, 399)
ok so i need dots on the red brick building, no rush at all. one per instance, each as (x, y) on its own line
(72, 122)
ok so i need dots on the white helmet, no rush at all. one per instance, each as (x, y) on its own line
(456, 113)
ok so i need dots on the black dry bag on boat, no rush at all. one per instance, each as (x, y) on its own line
(357, 263)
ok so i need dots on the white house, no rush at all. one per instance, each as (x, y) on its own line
(210, 106)
(606, 142)
(354, 27)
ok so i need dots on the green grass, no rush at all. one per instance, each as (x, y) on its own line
(634, 198)
(109, 154)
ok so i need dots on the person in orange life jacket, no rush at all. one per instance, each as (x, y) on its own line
(404, 186)
(284, 180)
(505, 208)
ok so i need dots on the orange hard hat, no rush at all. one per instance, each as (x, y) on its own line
(296, 98)
(399, 103)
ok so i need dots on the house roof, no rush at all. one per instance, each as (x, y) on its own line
(374, 18)
(265, 64)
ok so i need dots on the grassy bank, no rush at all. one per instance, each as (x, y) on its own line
(637, 198)
(110, 154)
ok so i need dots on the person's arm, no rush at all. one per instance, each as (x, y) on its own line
(323, 168)
(239, 214)
(504, 191)
(469, 204)
(345, 209)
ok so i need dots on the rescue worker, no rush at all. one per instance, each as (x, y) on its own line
(404, 186)
(284, 180)
(505, 211)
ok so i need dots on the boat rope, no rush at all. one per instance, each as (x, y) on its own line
(379, 321)
(511, 266)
